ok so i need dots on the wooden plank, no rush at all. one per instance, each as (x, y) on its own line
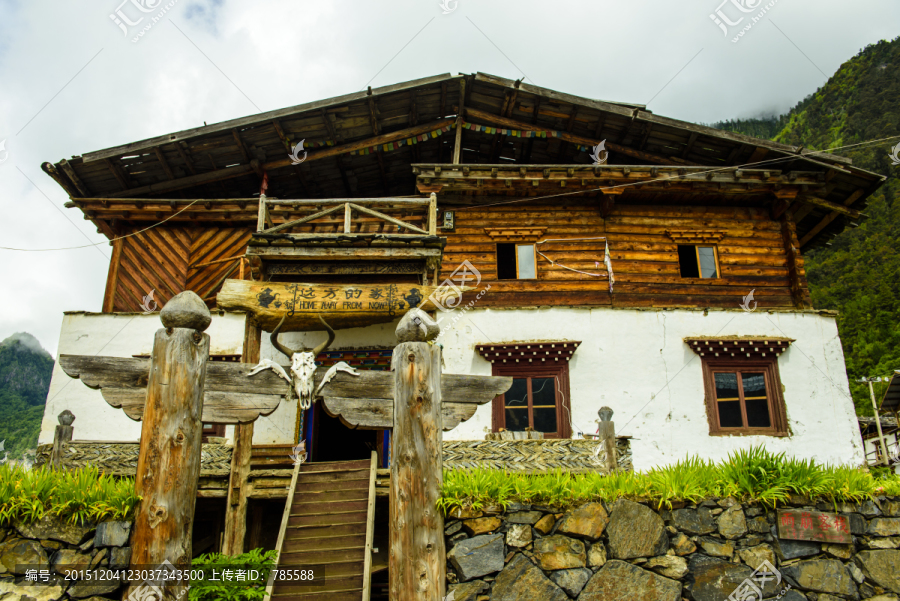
(330, 519)
(829, 218)
(377, 414)
(322, 557)
(302, 220)
(334, 477)
(821, 202)
(318, 507)
(417, 554)
(316, 544)
(285, 518)
(317, 532)
(168, 468)
(370, 530)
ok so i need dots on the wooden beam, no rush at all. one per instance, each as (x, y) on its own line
(302, 220)
(117, 173)
(168, 468)
(476, 114)
(238, 487)
(370, 529)
(186, 158)
(821, 202)
(830, 217)
(241, 170)
(73, 177)
(387, 218)
(162, 161)
(794, 262)
(112, 276)
(64, 183)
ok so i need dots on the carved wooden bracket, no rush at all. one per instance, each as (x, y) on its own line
(695, 236)
(739, 346)
(518, 234)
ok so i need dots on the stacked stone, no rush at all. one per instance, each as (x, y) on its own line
(56, 546)
(630, 551)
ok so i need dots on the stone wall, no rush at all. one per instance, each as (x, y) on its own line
(53, 546)
(629, 551)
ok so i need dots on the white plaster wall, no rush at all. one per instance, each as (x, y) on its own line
(116, 335)
(637, 363)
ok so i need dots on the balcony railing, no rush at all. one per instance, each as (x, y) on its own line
(399, 216)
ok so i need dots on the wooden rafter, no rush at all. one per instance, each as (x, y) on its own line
(829, 218)
(117, 173)
(162, 161)
(241, 170)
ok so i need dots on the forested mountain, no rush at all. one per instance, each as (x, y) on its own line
(858, 274)
(25, 369)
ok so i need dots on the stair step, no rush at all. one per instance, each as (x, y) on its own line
(324, 543)
(331, 477)
(354, 595)
(362, 484)
(320, 508)
(331, 496)
(320, 531)
(334, 519)
(312, 559)
(330, 466)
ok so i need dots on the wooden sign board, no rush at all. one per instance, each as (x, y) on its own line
(343, 306)
(814, 526)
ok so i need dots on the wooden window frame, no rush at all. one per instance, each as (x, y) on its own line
(777, 408)
(534, 258)
(697, 246)
(560, 374)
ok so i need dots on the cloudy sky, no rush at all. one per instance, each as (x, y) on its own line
(72, 82)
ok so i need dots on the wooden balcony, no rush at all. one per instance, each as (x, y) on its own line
(337, 237)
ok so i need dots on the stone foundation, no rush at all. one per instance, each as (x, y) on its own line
(52, 546)
(629, 551)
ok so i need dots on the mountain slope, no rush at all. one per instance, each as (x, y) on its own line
(25, 369)
(858, 274)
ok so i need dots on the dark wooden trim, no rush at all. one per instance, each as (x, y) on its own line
(558, 371)
(109, 297)
(777, 409)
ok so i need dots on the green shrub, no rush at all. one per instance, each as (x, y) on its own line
(76, 495)
(751, 474)
(215, 590)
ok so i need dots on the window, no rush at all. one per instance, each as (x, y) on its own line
(698, 261)
(537, 399)
(516, 262)
(744, 396)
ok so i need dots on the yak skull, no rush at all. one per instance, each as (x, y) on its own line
(303, 364)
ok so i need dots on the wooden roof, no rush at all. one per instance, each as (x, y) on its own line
(345, 140)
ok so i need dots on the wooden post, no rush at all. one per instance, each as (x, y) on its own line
(884, 453)
(63, 434)
(417, 562)
(432, 215)
(457, 147)
(794, 261)
(607, 437)
(238, 487)
(168, 466)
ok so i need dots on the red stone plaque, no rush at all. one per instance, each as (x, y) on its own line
(795, 524)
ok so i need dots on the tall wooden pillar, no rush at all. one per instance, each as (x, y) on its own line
(417, 563)
(799, 296)
(238, 487)
(169, 463)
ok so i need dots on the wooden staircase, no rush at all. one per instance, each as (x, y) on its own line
(328, 528)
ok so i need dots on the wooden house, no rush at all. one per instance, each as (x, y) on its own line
(613, 257)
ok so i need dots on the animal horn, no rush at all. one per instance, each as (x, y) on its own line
(274, 338)
(328, 342)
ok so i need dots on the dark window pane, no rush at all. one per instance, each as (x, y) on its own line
(517, 419)
(687, 261)
(517, 395)
(543, 392)
(754, 385)
(707, 256)
(730, 414)
(726, 386)
(545, 419)
(758, 413)
(506, 261)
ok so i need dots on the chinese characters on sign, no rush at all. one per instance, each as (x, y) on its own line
(303, 297)
(814, 526)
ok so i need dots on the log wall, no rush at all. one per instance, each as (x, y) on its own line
(752, 255)
(159, 259)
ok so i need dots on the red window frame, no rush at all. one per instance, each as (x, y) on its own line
(559, 372)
